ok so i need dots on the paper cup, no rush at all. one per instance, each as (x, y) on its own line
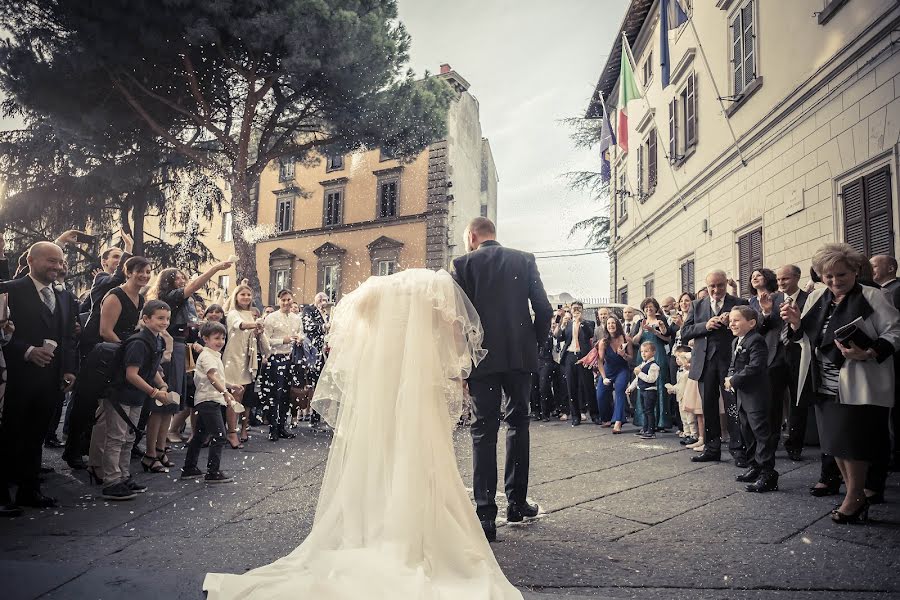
(50, 345)
(233, 258)
(170, 398)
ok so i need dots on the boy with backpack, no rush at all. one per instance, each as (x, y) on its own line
(142, 354)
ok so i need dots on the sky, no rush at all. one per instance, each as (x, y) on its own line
(531, 64)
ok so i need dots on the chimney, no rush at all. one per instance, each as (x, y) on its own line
(445, 68)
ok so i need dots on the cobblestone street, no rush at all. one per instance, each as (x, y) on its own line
(624, 519)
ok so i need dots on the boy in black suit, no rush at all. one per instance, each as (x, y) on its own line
(747, 378)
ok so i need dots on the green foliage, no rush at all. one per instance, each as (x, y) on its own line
(586, 135)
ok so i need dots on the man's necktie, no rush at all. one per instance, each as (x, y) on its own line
(48, 298)
(717, 306)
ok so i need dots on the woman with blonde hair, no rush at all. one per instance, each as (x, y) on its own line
(847, 333)
(245, 339)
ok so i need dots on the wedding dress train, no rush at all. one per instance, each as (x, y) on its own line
(393, 518)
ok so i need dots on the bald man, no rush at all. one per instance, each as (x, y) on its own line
(37, 370)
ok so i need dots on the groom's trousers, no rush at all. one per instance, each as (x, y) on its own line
(486, 392)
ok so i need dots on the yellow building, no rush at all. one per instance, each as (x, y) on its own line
(329, 227)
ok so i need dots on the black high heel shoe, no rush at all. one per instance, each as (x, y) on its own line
(832, 488)
(163, 459)
(860, 516)
(151, 464)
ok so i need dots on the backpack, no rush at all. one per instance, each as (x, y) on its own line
(104, 367)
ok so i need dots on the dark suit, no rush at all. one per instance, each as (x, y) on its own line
(500, 282)
(747, 370)
(798, 407)
(579, 381)
(710, 358)
(32, 390)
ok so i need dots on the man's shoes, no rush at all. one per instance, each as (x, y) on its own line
(490, 530)
(286, 435)
(76, 464)
(134, 486)
(8, 509)
(688, 440)
(767, 482)
(596, 420)
(648, 435)
(535, 416)
(273, 437)
(749, 476)
(741, 463)
(191, 473)
(35, 500)
(576, 422)
(546, 419)
(794, 454)
(217, 477)
(53, 442)
(516, 513)
(118, 491)
(707, 457)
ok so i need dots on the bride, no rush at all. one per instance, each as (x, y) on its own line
(393, 518)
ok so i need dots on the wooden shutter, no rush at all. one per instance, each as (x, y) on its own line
(687, 276)
(749, 55)
(690, 110)
(854, 216)
(737, 54)
(749, 258)
(879, 217)
(648, 288)
(673, 133)
(640, 169)
(651, 161)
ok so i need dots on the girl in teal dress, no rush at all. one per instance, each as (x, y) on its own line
(654, 329)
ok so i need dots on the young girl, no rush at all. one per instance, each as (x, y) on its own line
(244, 341)
(683, 393)
(615, 355)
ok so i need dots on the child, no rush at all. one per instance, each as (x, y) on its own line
(211, 394)
(646, 375)
(680, 389)
(747, 378)
(143, 354)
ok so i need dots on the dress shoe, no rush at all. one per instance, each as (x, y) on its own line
(741, 463)
(876, 498)
(546, 419)
(273, 437)
(829, 489)
(767, 482)
(596, 421)
(76, 464)
(795, 455)
(53, 442)
(286, 435)
(518, 512)
(36, 500)
(576, 422)
(8, 509)
(707, 457)
(536, 417)
(490, 530)
(749, 476)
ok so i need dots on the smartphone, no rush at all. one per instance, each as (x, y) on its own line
(84, 238)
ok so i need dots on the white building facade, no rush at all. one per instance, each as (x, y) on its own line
(811, 90)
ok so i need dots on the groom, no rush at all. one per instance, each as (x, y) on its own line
(500, 281)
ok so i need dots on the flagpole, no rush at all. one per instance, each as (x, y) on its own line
(661, 142)
(716, 90)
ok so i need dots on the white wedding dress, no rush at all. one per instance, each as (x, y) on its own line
(394, 520)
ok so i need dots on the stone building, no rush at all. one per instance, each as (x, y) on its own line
(811, 91)
(333, 225)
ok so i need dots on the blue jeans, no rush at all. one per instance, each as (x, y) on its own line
(618, 383)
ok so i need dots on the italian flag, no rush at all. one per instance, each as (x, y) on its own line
(628, 90)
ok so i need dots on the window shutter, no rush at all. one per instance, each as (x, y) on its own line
(750, 258)
(640, 169)
(749, 57)
(690, 276)
(879, 218)
(673, 131)
(651, 161)
(737, 54)
(756, 250)
(691, 111)
(854, 216)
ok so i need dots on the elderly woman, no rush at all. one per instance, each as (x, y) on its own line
(853, 387)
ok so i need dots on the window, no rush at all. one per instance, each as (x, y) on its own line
(286, 169)
(749, 258)
(831, 7)
(334, 162)
(332, 282)
(687, 276)
(623, 295)
(224, 282)
(648, 288)
(386, 267)
(282, 280)
(646, 157)
(868, 218)
(334, 208)
(683, 121)
(226, 226)
(743, 48)
(284, 215)
(387, 199)
(622, 193)
(647, 70)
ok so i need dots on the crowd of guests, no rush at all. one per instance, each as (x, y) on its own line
(138, 358)
(718, 367)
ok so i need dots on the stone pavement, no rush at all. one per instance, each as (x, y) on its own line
(625, 518)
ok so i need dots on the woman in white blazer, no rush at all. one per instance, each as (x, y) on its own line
(853, 388)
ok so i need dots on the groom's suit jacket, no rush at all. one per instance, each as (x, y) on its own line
(500, 282)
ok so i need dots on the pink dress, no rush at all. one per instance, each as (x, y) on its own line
(693, 402)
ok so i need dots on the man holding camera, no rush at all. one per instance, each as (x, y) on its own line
(576, 334)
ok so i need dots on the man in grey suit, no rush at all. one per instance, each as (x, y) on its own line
(707, 325)
(500, 282)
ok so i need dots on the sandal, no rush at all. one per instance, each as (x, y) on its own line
(238, 446)
(152, 464)
(163, 459)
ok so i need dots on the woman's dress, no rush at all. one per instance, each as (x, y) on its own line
(663, 413)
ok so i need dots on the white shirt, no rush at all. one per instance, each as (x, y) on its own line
(279, 325)
(207, 361)
(650, 376)
(793, 296)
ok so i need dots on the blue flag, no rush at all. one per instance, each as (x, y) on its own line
(607, 141)
(671, 16)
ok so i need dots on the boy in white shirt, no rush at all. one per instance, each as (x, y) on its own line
(211, 395)
(646, 375)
